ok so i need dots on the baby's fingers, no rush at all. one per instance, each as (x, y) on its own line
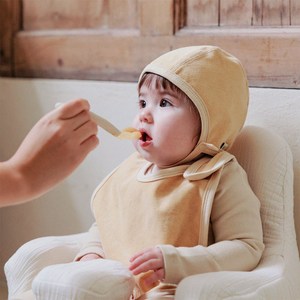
(133, 258)
(149, 259)
(150, 279)
(143, 264)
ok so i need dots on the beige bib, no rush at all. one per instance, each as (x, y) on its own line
(133, 215)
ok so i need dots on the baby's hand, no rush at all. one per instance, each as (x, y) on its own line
(89, 256)
(149, 260)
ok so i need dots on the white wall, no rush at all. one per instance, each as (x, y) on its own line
(66, 209)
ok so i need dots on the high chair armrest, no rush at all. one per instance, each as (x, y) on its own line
(270, 280)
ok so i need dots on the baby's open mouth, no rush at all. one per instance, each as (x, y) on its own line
(145, 137)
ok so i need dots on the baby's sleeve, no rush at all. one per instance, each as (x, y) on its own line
(91, 244)
(237, 229)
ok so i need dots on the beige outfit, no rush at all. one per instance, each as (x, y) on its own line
(181, 216)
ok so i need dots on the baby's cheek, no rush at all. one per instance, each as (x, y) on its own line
(134, 143)
(135, 122)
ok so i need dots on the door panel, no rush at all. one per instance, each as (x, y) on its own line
(115, 39)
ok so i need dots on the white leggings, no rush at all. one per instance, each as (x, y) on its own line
(43, 269)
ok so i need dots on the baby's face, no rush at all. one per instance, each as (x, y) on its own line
(169, 127)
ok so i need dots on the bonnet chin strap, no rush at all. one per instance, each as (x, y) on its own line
(206, 166)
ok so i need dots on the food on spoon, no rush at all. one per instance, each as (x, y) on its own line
(130, 133)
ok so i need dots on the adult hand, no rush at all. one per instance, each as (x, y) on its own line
(53, 148)
(146, 260)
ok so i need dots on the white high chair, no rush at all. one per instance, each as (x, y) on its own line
(267, 159)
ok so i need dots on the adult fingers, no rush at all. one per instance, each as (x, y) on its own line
(79, 120)
(85, 131)
(89, 144)
(72, 108)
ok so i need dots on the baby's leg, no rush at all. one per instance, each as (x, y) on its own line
(32, 257)
(88, 280)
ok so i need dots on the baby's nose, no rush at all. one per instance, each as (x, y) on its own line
(146, 116)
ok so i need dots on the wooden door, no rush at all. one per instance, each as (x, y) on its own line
(115, 39)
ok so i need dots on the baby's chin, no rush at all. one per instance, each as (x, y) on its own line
(159, 162)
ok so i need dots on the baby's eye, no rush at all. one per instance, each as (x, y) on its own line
(142, 103)
(164, 103)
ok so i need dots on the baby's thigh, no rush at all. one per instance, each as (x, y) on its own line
(94, 279)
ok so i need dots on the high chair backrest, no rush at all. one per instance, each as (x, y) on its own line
(267, 159)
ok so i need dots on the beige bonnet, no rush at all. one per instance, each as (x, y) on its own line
(216, 83)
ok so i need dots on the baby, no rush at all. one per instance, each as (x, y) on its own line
(181, 204)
